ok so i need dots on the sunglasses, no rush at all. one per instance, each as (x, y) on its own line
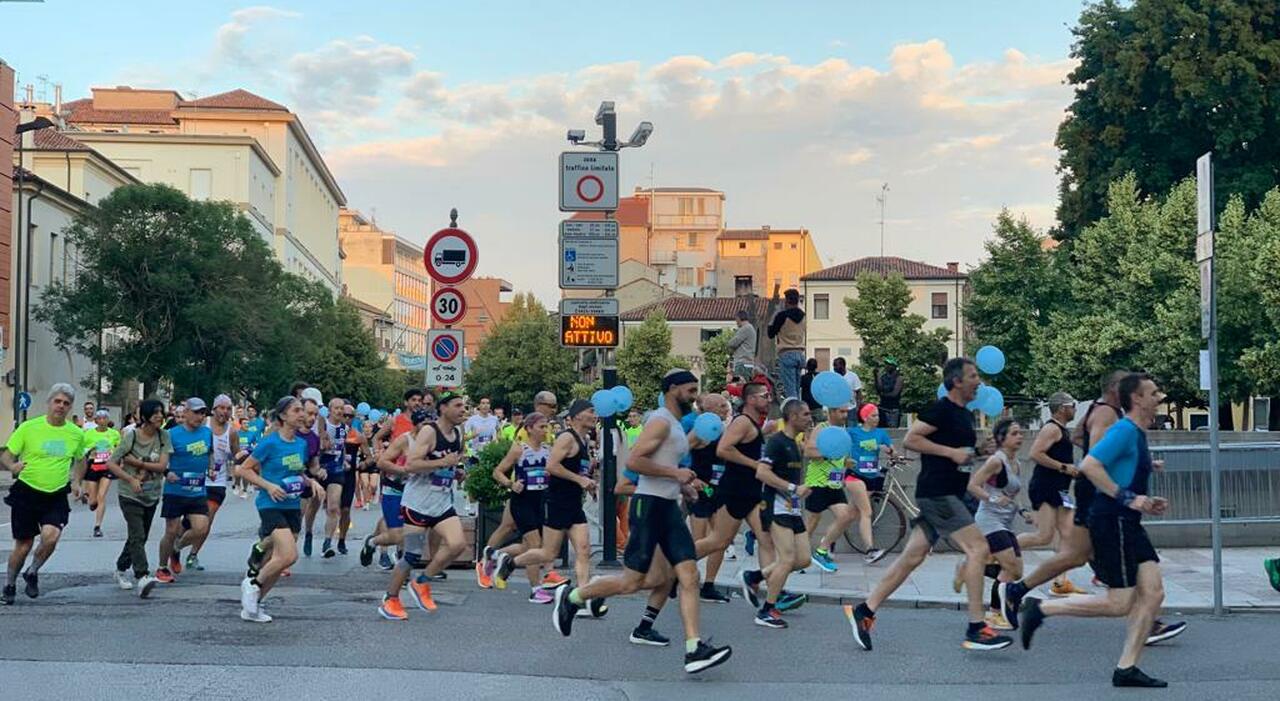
(350, 416)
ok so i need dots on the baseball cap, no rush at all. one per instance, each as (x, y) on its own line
(1060, 399)
(867, 410)
(196, 404)
(448, 396)
(101, 412)
(578, 406)
(222, 400)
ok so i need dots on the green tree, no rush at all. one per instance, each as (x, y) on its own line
(879, 316)
(522, 356)
(1160, 82)
(645, 356)
(347, 364)
(715, 358)
(1012, 294)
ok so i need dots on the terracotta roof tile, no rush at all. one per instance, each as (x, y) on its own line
(745, 235)
(54, 140)
(909, 269)
(701, 308)
(679, 189)
(237, 99)
(632, 211)
(83, 112)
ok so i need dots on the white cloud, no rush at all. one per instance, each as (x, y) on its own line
(348, 74)
(230, 41)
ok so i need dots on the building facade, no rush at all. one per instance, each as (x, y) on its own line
(233, 146)
(937, 294)
(756, 261)
(693, 320)
(685, 223)
(487, 301)
(386, 272)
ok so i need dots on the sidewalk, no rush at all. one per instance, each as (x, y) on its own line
(1188, 579)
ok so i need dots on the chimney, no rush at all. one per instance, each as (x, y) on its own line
(953, 267)
(57, 99)
(765, 228)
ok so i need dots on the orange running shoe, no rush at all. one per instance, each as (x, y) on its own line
(392, 610)
(164, 576)
(553, 579)
(1065, 587)
(421, 593)
(175, 563)
(484, 580)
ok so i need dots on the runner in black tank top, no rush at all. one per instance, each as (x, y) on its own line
(1049, 489)
(710, 470)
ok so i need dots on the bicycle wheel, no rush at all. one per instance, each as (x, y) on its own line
(888, 526)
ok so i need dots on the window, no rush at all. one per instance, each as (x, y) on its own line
(53, 255)
(793, 247)
(939, 305)
(686, 205)
(201, 183)
(684, 277)
(821, 306)
(702, 206)
(707, 334)
(692, 239)
(742, 245)
(777, 245)
(823, 356)
(742, 285)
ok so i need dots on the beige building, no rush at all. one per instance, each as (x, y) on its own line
(639, 287)
(234, 146)
(684, 225)
(385, 272)
(758, 261)
(487, 301)
(693, 320)
(937, 294)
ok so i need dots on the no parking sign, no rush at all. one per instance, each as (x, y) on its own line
(444, 357)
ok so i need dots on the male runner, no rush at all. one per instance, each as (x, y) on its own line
(481, 428)
(226, 445)
(312, 436)
(944, 436)
(656, 522)
(1049, 489)
(709, 469)
(184, 491)
(45, 455)
(433, 466)
(333, 460)
(391, 462)
(1119, 466)
(102, 440)
(825, 480)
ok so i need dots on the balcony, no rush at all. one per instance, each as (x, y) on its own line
(662, 257)
(686, 221)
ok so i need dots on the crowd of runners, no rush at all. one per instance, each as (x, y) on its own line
(683, 497)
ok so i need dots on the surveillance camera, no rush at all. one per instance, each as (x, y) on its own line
(605, 108)
(576, 136)
(641, 135)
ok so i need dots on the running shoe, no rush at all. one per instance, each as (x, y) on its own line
(1011, 594)
(490, 564)
(750, 590)
(873, 556)
(9, 594)
(392, 610)
(327, 549)
(259, 617)
(986, 638)
(145, 585)
(384, 561)
(770, 618)
(193, 563)
(1272, 568)
(342, 546)
(649, 636)
(705, 657)
(1065, 587)
(438, 577)
(123, 581)
(1161, 631)
(822, 559)
(1134, 677)
(164, 576)
(861, 623)
(788, 601)
(97, 531)
(1031, 619)
(553, 579)
(997, 621)
(366, 551)
(483, 581)
(709, 594)
(306, 545)
(248, 595)
(505, 566)
(420, 592)
(32, 589)
(750, 543)
(598, 608)
(175, 562)
(540, 596)
(565, 611)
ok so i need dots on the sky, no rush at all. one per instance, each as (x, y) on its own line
(799, 112)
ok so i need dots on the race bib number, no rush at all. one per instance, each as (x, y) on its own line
(191, 480)
(537, 478)
(717, 472)
(100, 457)
(442, 479)
(835, 476)
(868, 467)
(292, 485)
(1067, 501)
(786, 505)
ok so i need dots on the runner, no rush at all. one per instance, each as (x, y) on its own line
(1050, 485)
(226, 446)
(102, 440)
(1077, 549)
(869, 440)
(333, 460)
(366, 464)
(249, 434)
(391, 462)
(184, 491)
(996, 485)
(825, 480)
(528, 485)
(1119, 465)
(433, 466)
(943, 435)
(656, 523)
(139, 464)
(481, 428)
(278, 469)
(568, 464)
(311, 435)
(355, 454)
(782, 471)
(702, 510)
(45, 455)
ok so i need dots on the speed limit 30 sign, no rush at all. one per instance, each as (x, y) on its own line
(448, 305)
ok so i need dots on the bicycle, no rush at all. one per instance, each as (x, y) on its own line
(892, 509)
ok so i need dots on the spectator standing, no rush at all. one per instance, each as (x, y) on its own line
(787, 329)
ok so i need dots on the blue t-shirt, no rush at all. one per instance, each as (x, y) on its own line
(249, 438)
(866, 449)
(190, 460)
(1123, 452)
(283, 463)
(259, 425)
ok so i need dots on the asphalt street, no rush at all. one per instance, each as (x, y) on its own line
(85, 639)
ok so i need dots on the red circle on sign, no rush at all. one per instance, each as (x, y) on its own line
(444, 314)
(444, 348)
(599, 188)
(437, 268)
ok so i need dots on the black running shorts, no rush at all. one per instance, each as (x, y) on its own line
(31, 509)
(823, 498)
(656, 523)
(526, 511)
(1119, 546)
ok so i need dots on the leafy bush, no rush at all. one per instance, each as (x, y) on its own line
(480, 486)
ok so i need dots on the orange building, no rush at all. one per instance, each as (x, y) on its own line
(385, 272)
(754, 261)
(487, 301)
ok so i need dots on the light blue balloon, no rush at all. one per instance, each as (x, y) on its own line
(324, 412)
(622, 398)
(363, 408)
(835, 443)
(942, 390)
(990, 360)
(689, 421)
(831, 389)
(979, 398)
(993, 404)
(708, 427)
(375, 415)
(604, 403)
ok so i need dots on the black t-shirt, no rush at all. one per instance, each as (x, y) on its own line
(939, 476)
(783, 454)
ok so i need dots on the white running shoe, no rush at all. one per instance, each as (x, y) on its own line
(123, 581)
(145, 585)
(259, 617)
(249, 598)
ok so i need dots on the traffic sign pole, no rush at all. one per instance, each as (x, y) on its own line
(1209, 313)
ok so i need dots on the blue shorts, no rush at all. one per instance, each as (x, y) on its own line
(391, 509)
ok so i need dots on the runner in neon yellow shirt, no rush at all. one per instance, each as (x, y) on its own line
(102, 441)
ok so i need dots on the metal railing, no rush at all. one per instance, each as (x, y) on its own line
(1250, 483)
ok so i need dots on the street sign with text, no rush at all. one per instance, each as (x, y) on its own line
(588, 181)
(448, 305)
(444, 357)
(589, 323)
(588, 254)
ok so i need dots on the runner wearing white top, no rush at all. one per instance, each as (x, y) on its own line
(226, 444)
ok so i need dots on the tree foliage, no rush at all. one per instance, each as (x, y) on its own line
(879, 317)
(522, 356)
(1160, 82)
(645, 356)
(715, 358)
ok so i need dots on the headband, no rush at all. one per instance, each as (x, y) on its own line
(678, 377)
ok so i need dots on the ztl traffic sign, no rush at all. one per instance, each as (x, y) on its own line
(588, 181)
(588, 254)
